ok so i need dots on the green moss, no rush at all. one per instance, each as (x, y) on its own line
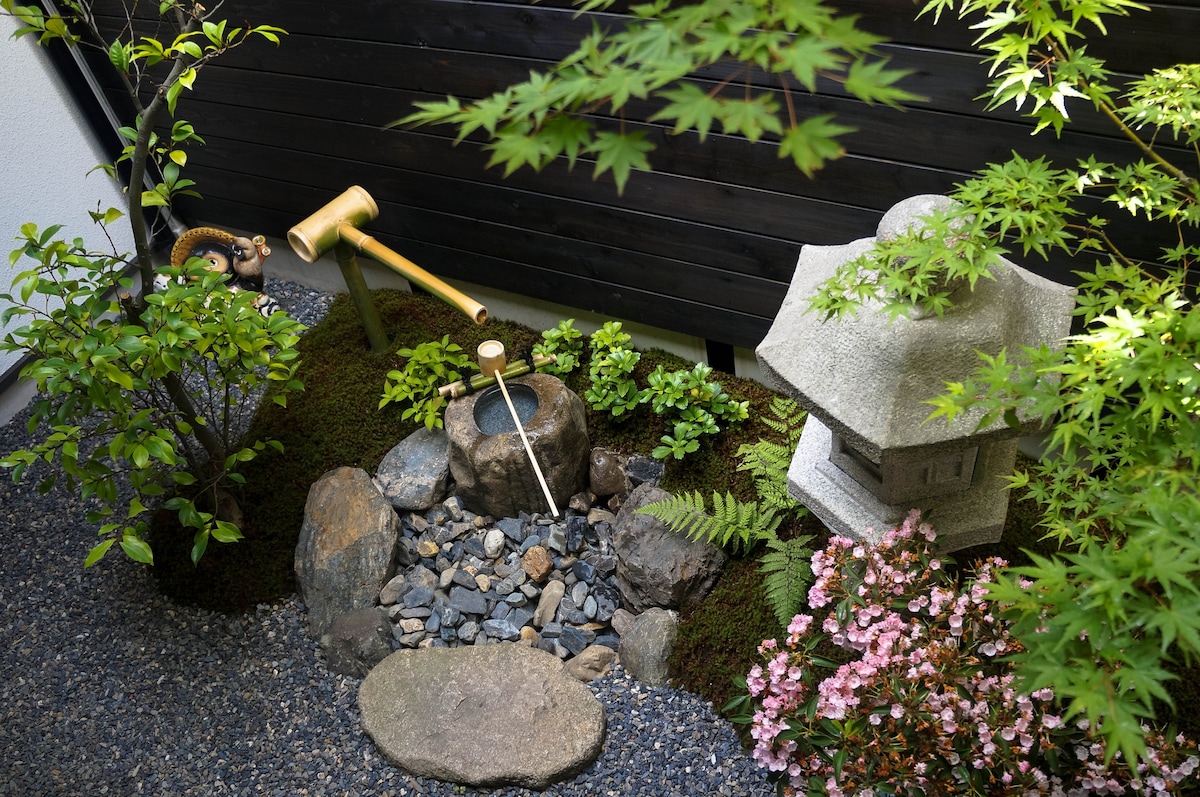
(336, 422)
(719, 637)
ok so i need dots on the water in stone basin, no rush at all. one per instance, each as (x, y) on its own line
(492, 415)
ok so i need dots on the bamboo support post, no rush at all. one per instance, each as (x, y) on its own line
(356, 285)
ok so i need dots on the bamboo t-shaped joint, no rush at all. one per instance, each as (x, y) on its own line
(336, 226)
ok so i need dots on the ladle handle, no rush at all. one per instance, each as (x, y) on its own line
(528, 448)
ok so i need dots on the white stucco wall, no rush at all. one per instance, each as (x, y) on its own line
(46, 151)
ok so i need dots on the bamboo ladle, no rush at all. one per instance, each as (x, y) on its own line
(492, 359)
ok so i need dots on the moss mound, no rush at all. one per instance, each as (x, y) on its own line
(336, 421)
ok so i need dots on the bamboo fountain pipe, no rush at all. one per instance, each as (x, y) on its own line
(335, 226)
(482, 380)
(411, 271)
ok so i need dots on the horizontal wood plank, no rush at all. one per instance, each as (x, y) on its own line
(704, 245)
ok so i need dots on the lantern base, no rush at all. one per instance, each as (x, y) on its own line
(973, 516)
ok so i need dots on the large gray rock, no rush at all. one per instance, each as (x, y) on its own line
(657, 566)
(492, 471)
(647, 644)
(491, 716)
(414, 474)
(357, 641)
(346, 548)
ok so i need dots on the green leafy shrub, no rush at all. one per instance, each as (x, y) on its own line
(691, 406)
(428, 366)
(613, 388)
(91, 360)
(140, 385)
(689, 403)
(565, 342)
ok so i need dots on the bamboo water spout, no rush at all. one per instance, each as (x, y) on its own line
(336, 226)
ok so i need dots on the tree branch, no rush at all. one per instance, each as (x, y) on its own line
(137, 176)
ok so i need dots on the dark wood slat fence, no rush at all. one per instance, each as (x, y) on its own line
(704, 246)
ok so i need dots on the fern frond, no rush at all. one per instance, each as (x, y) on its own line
(788, 420)
(682, 513)
(768, 461)
(774, 495)
(731, 523)
(788, 570)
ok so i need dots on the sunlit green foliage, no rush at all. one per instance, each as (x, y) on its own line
(137, 385)
(1102, 619)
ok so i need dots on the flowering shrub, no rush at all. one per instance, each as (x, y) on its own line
(924, 703)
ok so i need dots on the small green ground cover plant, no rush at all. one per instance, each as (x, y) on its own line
(689, 403)
(565, 343)
(686, 399)
(610, 370)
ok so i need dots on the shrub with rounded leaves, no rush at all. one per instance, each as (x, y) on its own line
(141, 385)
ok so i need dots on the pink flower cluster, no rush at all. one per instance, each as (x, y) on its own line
(921, 702)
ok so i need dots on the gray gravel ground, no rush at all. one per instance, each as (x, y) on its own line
(107, 688)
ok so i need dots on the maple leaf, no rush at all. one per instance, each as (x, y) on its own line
(566, 134)
(872, 81)
(813, 142)
(751, 118)
(691, 107)
(806, 57)
(430, 113)
(621, 153)
(515, 146)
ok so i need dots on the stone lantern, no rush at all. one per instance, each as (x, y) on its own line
(868, 455)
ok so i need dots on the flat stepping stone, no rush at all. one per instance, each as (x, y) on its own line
(485, 716)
